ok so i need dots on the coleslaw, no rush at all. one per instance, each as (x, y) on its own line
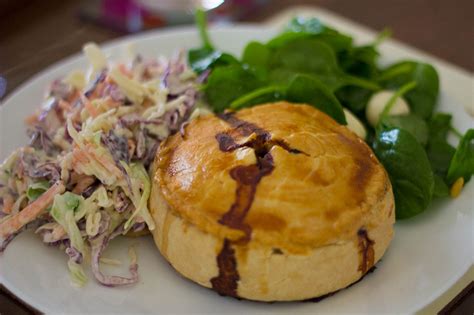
(84, 177)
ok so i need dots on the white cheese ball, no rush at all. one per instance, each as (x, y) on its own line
(377, 103)
(354, 124)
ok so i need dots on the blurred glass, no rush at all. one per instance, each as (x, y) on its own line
(136, 15)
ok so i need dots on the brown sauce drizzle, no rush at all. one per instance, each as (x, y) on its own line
(226, 282)
(247, 178)
(366, 250)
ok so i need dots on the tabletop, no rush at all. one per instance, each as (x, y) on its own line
(35, 34)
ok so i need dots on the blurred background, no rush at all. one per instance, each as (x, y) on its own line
(36, 33)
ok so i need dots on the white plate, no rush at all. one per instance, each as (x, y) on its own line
(429, 253)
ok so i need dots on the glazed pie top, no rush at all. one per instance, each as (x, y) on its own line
(281, 175)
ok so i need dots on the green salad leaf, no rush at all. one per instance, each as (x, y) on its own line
(207, 56)
(462, 163)
(316, 58)
(302, 28)
(439, 151)
(263, 95)
(256, 55)
(310, 62)
(409, 170)
(360, 61)
(412, 123)
(302, 68)
(440, 189)
(353, 97)
(309, 90)
(226, 84)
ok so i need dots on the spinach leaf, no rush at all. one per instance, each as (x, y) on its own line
(440, 154)
(285, 38)
(256, 55)
(439, 151)
(360, 61)
(411, 123)
(354, 97)
(282, 76)
(201, 22)
(316, 29)
(440, 189)
(260, 96)
(303, 25)
(228, 83)
(309, 56)
(312, 28)
(462, 163)
(422, 99)
(316, 58)
(206, 57)
(301, 89)
(409, 169)
(439, 126)
(305, 89)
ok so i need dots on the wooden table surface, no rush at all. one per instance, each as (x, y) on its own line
(35, 34)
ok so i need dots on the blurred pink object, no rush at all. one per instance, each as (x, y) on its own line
(136, 15)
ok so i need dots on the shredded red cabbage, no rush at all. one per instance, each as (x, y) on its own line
(98, 247)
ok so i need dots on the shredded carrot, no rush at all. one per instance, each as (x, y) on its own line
(86, 155)
(31, 119)
(8, 203)
(65, 106)
(122, 68)
(99, 90)
(111, 103)
(74, 96)
(89, 107)
(111, 167)
(14, 223)
(79, 156)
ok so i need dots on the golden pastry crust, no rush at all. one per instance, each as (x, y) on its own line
(244, 201)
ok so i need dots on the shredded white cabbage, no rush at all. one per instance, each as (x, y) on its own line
(95, 56)
(134, 90)
(93, 223)
(110, 261)
(76, 272)
(139, 195)
(76, 79)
